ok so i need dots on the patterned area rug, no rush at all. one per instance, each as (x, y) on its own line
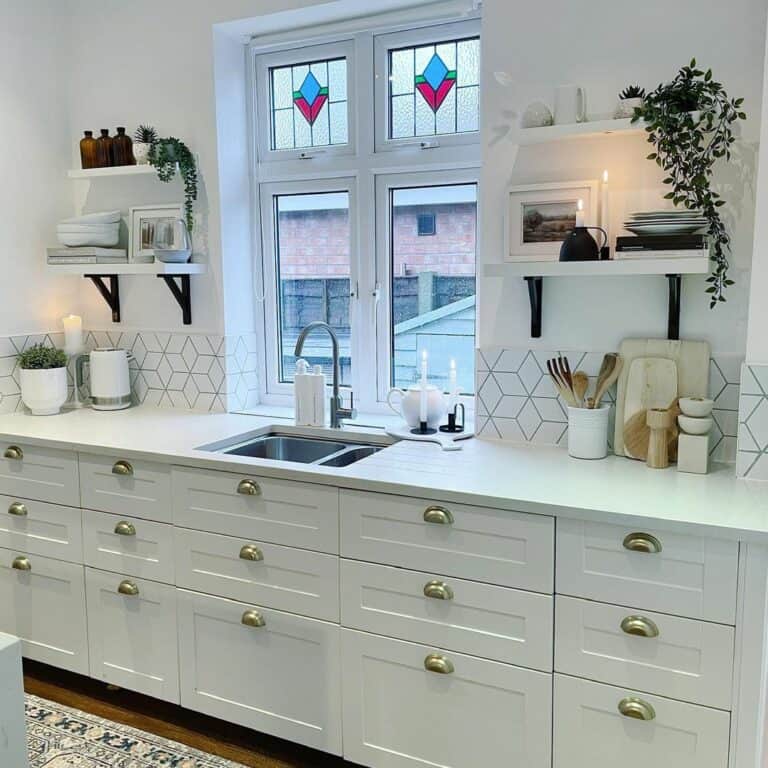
(60, 737)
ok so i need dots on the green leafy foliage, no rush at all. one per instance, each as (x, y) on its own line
(168, 156)
(690, 123)
(145, 134)
(39, 356)
(632, 92)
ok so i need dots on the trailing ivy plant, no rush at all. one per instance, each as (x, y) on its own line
(690, 123)
(168, 155)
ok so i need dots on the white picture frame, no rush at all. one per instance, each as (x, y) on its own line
(140, 219)
(521, 244)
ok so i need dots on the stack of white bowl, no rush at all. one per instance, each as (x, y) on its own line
(695, 423)
(95, 229)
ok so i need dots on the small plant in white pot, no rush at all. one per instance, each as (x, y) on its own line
(143, 139)
(43, 379)
(630, 99)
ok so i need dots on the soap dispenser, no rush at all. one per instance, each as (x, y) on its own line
(303, 395)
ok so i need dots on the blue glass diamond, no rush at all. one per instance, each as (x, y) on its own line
(435, 72)
(310, 88)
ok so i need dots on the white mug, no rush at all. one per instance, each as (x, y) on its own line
(570, 104)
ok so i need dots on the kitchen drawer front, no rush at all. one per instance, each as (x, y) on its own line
(688, 659)
(45, 474)
(289, 579)
(494, 546)
(590, 731)
(40, 528)
(397, 714)
(44, 607)
(481, 619)
(282, 678)
(690, 575)
(280, 511)
(126, 487)
(128, 545)
(132, 638)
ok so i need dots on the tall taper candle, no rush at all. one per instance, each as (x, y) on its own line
(605, 213)
(423, 400)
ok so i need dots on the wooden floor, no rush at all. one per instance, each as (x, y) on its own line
(207, 734)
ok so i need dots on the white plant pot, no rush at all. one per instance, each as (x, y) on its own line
(141, 152)
(44, 390)
(626, 108)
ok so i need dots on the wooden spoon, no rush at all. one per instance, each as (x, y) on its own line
(580, 386)
(609, 372)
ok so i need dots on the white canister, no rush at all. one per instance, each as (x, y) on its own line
(303, 393)
(110, 379)
(588, 432)
(318, 392)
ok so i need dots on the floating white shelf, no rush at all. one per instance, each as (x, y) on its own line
(693, 265)
(589, 130)
(156, 268)
(121, 170)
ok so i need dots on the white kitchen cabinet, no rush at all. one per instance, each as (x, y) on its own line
(132, 635)
(43, 603)
(261, 508)
(591, 732)
(13, 731)
(128, 545)
(653, 570)
(680, 658)
(45, 474)
(398, 714)
(481, 619)
(126, 487)
(490, 545)
(50, 530)
(286, 578)
(272, 671)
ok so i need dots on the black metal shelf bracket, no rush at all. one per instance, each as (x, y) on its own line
(111, 295)
(182, 294)
(673, 317)
(535, 293)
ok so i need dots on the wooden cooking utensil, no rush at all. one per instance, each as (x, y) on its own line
(565, 392)
(580, 386)
(637, 434)
(609, 372)
(659, 423)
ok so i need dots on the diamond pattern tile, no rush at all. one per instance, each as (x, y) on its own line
(752, 445)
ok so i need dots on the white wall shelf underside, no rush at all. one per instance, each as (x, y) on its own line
(156, 268)
(588, 130)
(694, 265)
(122, 170)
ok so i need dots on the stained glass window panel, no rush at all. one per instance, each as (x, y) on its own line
(309, 104)
(434, 89)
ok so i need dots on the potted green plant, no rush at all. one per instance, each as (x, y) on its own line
(690, 123)
(43, 379)
(143, 139)
(170, 156)
(630, 99)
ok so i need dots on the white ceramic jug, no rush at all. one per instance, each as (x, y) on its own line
(409, 405)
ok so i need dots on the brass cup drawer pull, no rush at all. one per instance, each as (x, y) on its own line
(642, 542)
(21, 564)
(251, 552)
(13, 452)
(438, 590)
(637, 709)
(122, 468)
(438, 515)
(124, 528)
(128, 587)
(439, 664)
(254, 619)
(639, 626)
(248, 488)
(18, 509)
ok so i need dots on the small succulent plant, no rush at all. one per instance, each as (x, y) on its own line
(145, 134)
(39, 356)
(632, 92)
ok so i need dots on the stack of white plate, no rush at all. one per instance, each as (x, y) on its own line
(96, 229)
(669, 222)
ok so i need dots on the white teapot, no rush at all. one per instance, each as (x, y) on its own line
(409, 406)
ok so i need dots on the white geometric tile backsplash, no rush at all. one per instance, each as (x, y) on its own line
(517, 401)
(752, 458)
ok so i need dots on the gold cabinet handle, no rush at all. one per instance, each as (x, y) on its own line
(122, 468)
(438, 590)
(251, 552)
(642, 542)
(438, 515)
(637, 709)
(253, 618)
(13, 452)
(128, 587)
(124, 528)
(248, 488)
(640, 626)
(18, 509)
(439, 664)
(21, 564)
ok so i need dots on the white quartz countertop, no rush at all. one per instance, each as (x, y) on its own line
(543, 480)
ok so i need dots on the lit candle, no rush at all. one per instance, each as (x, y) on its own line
(604, 210)
(452, 388)
(423, 400)
(580, 213)
(73, 334)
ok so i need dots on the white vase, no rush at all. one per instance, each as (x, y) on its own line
(44, 390)
(141, 152)
(626, 108)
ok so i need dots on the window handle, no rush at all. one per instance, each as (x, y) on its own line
(376, 293)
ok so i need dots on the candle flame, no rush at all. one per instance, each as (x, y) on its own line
(605, 177)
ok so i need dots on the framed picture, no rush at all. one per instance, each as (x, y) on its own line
(538, 216)
(141, 229)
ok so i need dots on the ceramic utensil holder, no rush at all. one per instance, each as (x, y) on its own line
(588, 432)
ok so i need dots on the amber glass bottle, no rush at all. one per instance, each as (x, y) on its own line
(88, 151)
(122, 149)
(104, 149)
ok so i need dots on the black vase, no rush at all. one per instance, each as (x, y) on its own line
(579, 245)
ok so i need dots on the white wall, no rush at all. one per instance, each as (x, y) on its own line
(34, 142)
(604, 45)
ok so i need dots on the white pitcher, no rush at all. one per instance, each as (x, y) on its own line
(409, 405)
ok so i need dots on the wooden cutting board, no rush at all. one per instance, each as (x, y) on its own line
(691, 357)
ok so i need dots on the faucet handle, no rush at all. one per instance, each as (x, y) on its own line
(347, 413)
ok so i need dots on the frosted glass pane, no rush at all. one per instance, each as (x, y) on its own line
(337, 80)
(423, 55)
(283, 127)
(447, 52)
(303, 131)
(282, 88)
(299, 73)
(338, 113)
(468, 58)
(445, 119)
(425, 118)
(320, 71)
(467, 109)
(402, 116)
(320, 132)
(401, 72)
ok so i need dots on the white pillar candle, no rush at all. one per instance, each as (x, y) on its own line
(580, 213)
(605, 209)
(452, 388)
(73, 334)
(423, 400)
